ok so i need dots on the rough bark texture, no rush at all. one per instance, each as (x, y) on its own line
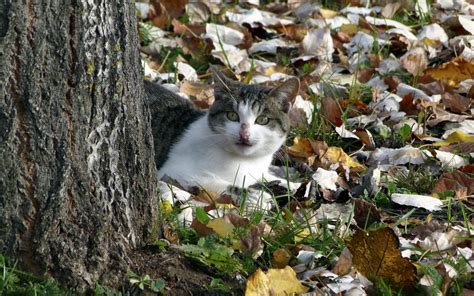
(77, 188)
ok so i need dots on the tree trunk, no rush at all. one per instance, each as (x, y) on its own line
(77, 175)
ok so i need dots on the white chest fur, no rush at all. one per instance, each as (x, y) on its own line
(199, 158)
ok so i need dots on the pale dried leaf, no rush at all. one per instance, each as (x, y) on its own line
(420, 201)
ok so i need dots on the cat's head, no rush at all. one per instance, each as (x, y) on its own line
(251, 120)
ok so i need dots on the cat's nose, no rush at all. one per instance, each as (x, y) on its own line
(244, 136)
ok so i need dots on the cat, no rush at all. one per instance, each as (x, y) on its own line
(232, 144)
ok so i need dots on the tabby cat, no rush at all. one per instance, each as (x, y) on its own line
(232, 144)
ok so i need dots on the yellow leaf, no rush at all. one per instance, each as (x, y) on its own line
(301, 148)
(275, 282)
(456, 137)
(258, 284)
(453, 72)
(302, 234)
(222, 227)
(166, 207)
(327, 13)
(336, 154)
(350, 29)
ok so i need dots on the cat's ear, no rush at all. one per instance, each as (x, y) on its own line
(221, 82)
(286, 93)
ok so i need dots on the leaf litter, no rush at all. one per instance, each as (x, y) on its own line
(382, 143)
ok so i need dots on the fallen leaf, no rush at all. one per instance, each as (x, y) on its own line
(365, 74)
(420, 201)
(198, 12)
(407, 105)
(294, 32)
(415, 61)
(390, 9)
(432, 32)
(327, 13)
(174, 8)
(319, 43)
(252, 242)
(187, 29)
(467, 23)
(344, 263)
(201, 228)
(280, 258)
(301, 148)
(222, 227)
(337, 155)
(332, 111)
(456, 137)
(456, 102)
(453, 72)
(274, 282)
(461, 183)
(326, 179)
(450, 160)
(376, 254)
(459, 148)
(365, 213)
(349, 29)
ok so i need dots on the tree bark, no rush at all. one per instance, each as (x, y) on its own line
(77, 172)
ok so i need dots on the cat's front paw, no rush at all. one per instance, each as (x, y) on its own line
(252, 198)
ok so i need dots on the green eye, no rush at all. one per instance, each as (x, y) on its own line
(262, 120)
(232, 116)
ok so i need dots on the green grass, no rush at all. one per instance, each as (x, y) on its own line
(16, 282)
(417, 180)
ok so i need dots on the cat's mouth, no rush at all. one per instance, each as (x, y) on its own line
(244, 144)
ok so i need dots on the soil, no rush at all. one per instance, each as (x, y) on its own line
(182, 275)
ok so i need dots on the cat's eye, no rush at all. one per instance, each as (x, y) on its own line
(262, 120)
(232, 116)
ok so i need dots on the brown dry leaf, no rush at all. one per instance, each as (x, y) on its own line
(461, 183)
(365, 213)
(390, 9)
(365, 137)
(201, 228)
(181, 29)
(460, 148)
(170, 234)
(453, 72)
(162, 16)
(252, 242)
(376, 254)
(456, 102)
(392, 82)
(337, 155)
(344, 263)
(206, 197)
(332, 111)
(201, 94)
(365, 74)
(174, 8)
(295, 32)
(415, 61)
(407, 105)
(281, 258)
(197, 47)
(274, 282)
(425, 230)
(236, 220)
